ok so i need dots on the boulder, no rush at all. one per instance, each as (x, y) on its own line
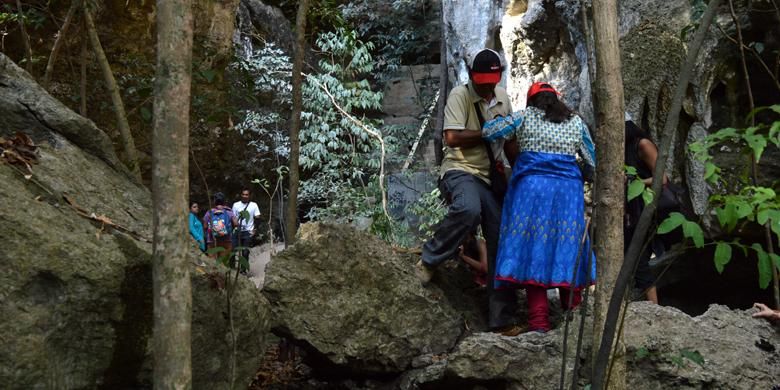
(721, 349)
(76, 282)
(532, 360)
(350, 300)
(665, 348)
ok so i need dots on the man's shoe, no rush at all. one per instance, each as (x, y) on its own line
(423, 272)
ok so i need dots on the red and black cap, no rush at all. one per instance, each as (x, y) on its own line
(540, 86)
(485, 67)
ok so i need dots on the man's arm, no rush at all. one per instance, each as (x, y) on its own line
(456, 119)
(462, 138)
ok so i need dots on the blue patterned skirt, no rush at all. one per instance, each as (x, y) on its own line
(542, 224)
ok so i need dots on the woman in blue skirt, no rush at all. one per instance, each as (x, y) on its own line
(543, 220)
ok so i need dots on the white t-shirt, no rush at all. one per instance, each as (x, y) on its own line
(252, 209)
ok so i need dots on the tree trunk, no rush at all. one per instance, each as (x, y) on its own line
(609, 187)
(645, 219)
(170, 190)
(295, 121)
(113, 89)
(25, 38)
(55, 50)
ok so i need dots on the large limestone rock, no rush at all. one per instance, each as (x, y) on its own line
(532, 360)
(738, 351)
(75, 293)
(662, 345)
(348, 298)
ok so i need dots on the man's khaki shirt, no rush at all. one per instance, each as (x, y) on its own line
(459, 115)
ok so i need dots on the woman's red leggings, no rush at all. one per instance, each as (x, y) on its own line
(538, 311)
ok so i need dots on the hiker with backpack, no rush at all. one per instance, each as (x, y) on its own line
(219, 223)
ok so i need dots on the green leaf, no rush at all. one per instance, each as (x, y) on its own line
(642, 353)
(693, 356)
(775, 108)
(727, 132)
(647, 196)
(635, 189)
(670, 223)
(764, 266)
(773, 131)
(759, 46)
(722, 256)
(631, 171)
(763, 216)
(757, 142)
(709, 170)
(693, 231)
(743, 209)
(727, 216)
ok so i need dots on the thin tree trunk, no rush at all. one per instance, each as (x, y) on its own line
(55, 50)
(295, 121)
(113, 89)
(83, 82)
(645, 219)
(25, 38)
(609, 188)
(170, 189)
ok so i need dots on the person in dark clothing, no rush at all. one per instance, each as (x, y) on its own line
(640, 153)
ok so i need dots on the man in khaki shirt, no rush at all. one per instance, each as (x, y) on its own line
(465, 180)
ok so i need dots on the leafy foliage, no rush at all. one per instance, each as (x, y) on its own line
(430, 210)
(743, 204)
(339, 160)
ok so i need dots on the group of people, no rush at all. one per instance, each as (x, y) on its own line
(225, 227)
(536, 232)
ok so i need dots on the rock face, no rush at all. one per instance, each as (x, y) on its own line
(469, 25)
(531, 360)
(75, 294)
(347, 297)
(662, 346)
(738, 352)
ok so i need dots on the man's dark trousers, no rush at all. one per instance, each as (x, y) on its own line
(472, 202)
(244, 240)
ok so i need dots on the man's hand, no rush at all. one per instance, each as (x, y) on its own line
(765, 312)
(462, 138)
